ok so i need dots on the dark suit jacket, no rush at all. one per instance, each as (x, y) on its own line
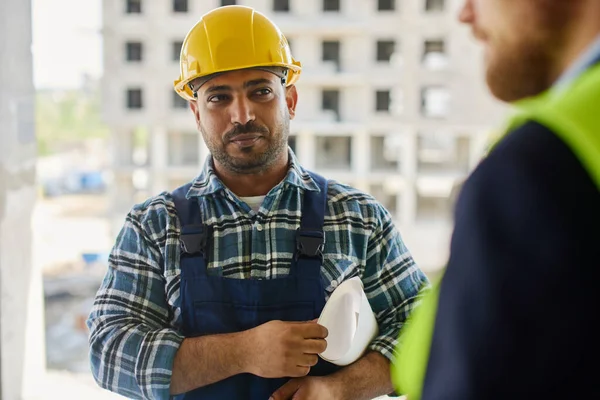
(519, 306)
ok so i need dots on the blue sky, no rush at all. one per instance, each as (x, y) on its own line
(67, 42)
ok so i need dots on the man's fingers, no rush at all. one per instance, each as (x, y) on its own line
(308, 360)
(314, 346)
(299, 372)
(314, 331)
(287, 390)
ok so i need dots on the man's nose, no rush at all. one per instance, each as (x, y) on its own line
(466, 14)
(241, 111)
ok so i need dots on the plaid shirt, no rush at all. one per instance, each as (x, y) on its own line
(136, 318)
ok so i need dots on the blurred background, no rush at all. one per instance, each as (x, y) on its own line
(391, 101)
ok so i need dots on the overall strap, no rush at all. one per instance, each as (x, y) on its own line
(310, 237)
(194, 234)
(187, 210)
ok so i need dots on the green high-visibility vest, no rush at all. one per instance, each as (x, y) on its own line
(573, 114)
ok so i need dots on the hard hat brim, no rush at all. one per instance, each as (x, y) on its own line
(182, 86)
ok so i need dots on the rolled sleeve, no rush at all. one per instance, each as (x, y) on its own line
(393, 284)
(132, 345)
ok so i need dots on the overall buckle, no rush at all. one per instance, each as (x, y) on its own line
(193, 240)
(309, 244)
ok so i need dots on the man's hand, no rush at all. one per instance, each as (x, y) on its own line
(308, 388)
(280, 349)
(367, 378)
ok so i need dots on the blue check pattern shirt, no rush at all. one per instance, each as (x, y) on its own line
(136, 318)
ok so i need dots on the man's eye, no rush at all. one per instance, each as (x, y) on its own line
(263, 92)
(217, 98)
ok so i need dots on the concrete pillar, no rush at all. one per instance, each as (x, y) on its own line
(361, 154)
(306, 149)
(361, 160)
(22, 351)
(159, 151)
(408, 198)
(478, 146)
(203, 152)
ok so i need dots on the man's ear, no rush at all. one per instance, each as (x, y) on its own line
(291, 99)
(196, 111)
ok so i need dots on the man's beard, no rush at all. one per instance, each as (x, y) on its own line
(257, 161)
(527, 65)
(519, 72)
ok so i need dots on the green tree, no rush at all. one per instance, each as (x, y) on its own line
(65, 118)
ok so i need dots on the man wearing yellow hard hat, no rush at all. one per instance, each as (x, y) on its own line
(515, 313)
(213, 289)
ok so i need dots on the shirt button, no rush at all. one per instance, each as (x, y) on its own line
(334, 283)
(259, 227)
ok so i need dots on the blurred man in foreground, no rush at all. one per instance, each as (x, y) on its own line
(512, 317)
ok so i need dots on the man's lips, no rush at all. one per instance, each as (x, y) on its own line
(245, 140)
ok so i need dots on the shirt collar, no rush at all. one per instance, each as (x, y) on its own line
(589, 58)
(208, 182)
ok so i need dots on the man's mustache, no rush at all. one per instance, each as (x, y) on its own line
(247, 128)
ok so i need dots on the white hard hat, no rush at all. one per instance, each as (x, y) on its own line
(352, 326)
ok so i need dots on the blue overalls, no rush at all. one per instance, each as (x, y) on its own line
(212, 304)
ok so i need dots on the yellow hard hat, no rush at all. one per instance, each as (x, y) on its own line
(230, 38)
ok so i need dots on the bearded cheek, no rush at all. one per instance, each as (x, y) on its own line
(518, 69)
